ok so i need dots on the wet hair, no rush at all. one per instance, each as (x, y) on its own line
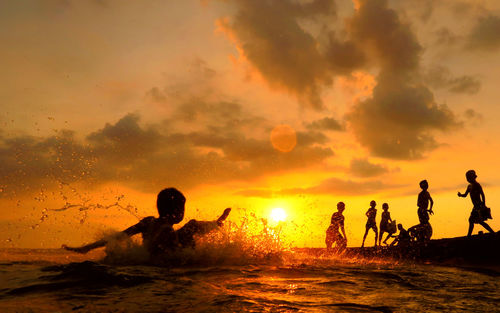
(471, 174)
(170, 203)
(385, 205)
(373, 203)
(424, 184)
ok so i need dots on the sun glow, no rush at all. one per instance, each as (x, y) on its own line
(278, 215)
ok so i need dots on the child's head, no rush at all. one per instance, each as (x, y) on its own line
(373, 203)
(385, 206)
(400, 226)
(471, 176)
(340, 207)
(170, 204)
(424, 184)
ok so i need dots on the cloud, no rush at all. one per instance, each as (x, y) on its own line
(398, 120)
(445, 37)
(29, 162)
(216, 148)
(364, 168)
(484, 35)
(326, 123)
(473, 117)
(339, 187)
(440, 77)
(270, 36)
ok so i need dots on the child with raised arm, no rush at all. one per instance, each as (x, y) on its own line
(158, 234)
(480, 213)
(371, 223)
(424, 197)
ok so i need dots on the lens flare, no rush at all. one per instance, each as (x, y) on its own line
(278, 215)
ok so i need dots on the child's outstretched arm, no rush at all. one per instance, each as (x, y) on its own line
(86, 248)
(101, 242)
(196, 228)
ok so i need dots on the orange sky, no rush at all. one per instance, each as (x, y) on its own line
(247, 104)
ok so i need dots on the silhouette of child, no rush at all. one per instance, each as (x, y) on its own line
(403, 238)
(385, 218)
(332, 233)
(158, 234)
(371, 223)
(424, 197)
(480, 213)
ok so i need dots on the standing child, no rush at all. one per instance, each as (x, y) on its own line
(424, 197)
(371, 223)
(385, 218)
(480, 213)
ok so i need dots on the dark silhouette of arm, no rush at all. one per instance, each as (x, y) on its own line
(463, 195)
(102, 242)
(343, 231)
(481, 194)
(432, 204)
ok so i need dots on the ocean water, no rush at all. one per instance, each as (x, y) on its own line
(228, 280)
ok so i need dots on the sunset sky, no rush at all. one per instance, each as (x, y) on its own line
(249, 104)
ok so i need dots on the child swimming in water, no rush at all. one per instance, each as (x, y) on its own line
(158, 234)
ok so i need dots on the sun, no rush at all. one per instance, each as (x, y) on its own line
(278, 215)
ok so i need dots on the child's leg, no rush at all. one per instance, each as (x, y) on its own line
(471, 227)
(486, 226)
(364, 237)
(386, 238)
(376, 234)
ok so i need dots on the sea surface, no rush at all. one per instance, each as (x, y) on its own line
(54, 280)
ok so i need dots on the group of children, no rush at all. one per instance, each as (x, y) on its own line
(480, 213)
(159, 235)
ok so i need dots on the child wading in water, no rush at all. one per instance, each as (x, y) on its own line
(158, 234)
(371, 223)
(424, 197)
(385, 218)
(480, 213)
(333, 235)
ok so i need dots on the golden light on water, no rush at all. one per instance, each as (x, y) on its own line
(278, 215)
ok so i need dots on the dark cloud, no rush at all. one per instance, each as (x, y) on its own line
(485, 34)
(156, 95)
(148, 157)
(364, 168)
(473, 117)
(445, 37)
(465, 84)
(29, 163)
(271, 37)
(343, 56)
(441, 77)
(326, 123)
(398, 120)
